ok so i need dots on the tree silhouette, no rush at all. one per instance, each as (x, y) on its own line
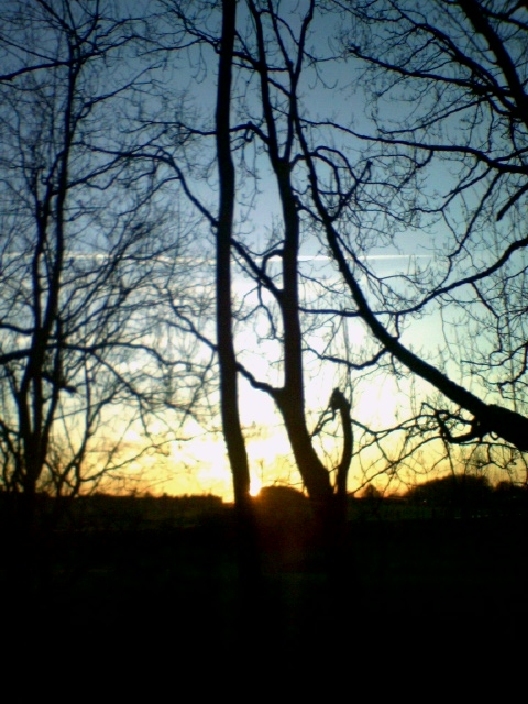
(457, 75)
(88, 267)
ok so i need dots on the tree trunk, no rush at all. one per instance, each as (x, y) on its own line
(231, 425)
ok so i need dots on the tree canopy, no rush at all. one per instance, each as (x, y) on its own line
(357, 172)
(90, 256)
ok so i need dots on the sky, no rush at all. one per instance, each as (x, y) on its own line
(189, 457)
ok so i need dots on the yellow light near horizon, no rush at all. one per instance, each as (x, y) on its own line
(199, 465)
(256, 485)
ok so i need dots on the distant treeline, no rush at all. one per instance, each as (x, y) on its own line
(466, 487)
(451, 496)
(455, 496)
(107, 511)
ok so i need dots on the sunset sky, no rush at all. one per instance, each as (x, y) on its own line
(142, 205)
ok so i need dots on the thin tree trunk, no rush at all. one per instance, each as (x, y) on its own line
(231, 424)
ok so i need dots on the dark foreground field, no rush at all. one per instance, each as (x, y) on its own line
(411, 590)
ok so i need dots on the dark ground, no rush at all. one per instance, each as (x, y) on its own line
(412, 592)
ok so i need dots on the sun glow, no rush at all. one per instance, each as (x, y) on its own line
(256, 485)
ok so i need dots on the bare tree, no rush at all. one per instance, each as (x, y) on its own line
(446, 150)
(284, 299)
(245, 56)
(224, 316)
(345, 196)
(90, 258)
